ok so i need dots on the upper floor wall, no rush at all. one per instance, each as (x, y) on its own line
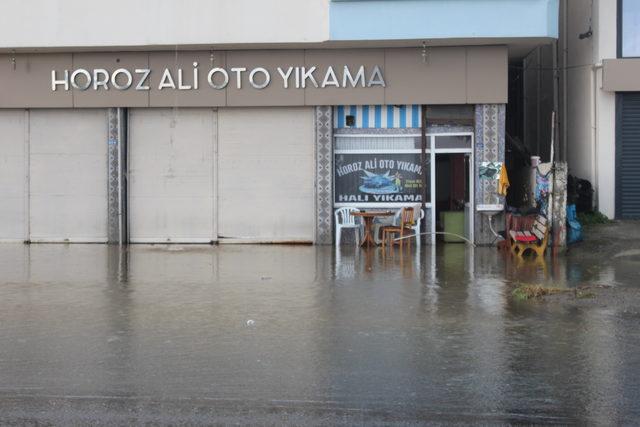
(602, 34)
(76, 25)
(442, 19)
(28, 24)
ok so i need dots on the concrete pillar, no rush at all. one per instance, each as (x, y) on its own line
(117, 180)
(560, 205)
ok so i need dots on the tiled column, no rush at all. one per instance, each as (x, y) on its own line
(489, 147)
(117, 180)
(324, 175)
(559, 195)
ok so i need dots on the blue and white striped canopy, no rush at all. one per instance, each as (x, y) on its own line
(378, 116)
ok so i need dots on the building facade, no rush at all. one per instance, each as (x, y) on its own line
(600, 43)
(241, 121)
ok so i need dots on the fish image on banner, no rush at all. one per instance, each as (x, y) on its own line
(378, 184)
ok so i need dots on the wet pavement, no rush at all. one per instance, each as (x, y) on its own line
(301, 335)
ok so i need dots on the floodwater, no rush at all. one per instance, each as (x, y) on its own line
(92, 334)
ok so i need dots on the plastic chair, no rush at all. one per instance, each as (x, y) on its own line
(344, 219)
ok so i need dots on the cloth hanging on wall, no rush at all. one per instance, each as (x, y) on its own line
(503, 181)
(544, 179)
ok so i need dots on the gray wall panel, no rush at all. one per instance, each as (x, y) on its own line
(68, 175)
(13, 174)
(441, 79)
(489, 85)
(112, 97)
(28, 83)
(267, 168)
(205, 96)
(171, 175)
(621, 75)
(338, 59)
(450, 75)
(274, 94)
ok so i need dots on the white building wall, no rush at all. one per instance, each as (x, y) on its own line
(580, 133)
(590, 121)
(13, 174)
(579, 91)
(172, 175)
(605, 23)
(68, 175)
(117, 23)
(266, 174)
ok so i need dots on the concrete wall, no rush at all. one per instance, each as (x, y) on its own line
(68, 175)
(579, 88)
(266, 174)
(538, 78)
(605, 22)
(117, 23)
(590, 111)
(172, 175)
(441, 19)
(151, 23)
(13, 174)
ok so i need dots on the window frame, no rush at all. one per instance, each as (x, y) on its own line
(620, 31)
(431, 151)
(619, 28)
(390, 205)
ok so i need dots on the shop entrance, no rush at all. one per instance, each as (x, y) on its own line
(452, 196)
(452, 186)
(385, 159)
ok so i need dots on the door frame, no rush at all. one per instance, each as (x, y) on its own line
(470, 221)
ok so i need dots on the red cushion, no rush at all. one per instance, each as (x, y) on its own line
(525, 239)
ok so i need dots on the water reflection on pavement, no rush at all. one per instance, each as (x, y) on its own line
(298, 334)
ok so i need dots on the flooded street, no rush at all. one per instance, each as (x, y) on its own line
(308, 335)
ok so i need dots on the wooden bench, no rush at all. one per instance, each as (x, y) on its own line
(536, 238)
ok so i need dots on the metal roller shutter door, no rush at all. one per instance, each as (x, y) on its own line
(68, 175)
(628, 156)
(267, 174)
(13, 174)
(171, 175)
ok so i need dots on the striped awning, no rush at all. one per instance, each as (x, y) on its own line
(378, 116)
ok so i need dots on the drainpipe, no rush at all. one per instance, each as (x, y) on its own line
(565, 63)
(423, 161)
(594, 128)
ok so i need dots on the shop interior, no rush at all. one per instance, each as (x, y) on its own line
(452, 195)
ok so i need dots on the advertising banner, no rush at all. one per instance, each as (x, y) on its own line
(378, 178)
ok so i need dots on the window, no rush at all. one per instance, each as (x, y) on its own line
(380, 170)
(450, 115)
(453, 142)
(629, 22)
